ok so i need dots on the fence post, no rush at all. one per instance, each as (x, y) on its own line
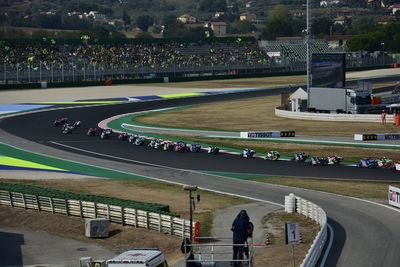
(52, 72)
(80, 208)
(147, 220)
(11, 199)
(37, 202)
(62, 71)
(183, 229)
(136, 218)
(66, 207)
(51, 204)
(159, 221)
(108, 212)
(122, 216)
(23, 200)
(171, 225)
(17, 72)
(95, 209)
(29, 73)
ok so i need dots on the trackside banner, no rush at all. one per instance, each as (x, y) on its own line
(394, 196)
(267, 134)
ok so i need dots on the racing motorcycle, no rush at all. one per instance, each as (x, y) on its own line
(169, 146)
(195, 148)
(272, 155)
(213, 150)
(152, 143)
(139, 141)
(299, 157)
(334, 160)
(248, 153)
(106, 134)
(91, 132)
(60, 121)
(159, 144)
(132, 138)
(180, 146)
(67, 129)
(77, 124)
(318, 161)
(368, 163)
(385, 163)
(123, 136)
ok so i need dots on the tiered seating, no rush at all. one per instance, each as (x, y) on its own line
(296, 50)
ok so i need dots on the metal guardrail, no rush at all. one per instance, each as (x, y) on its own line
(310, 210)
(126, 216)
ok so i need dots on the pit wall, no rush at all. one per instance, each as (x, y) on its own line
(332, 116)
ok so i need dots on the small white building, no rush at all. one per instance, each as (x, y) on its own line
(394, 8)
(296, 99)
(218, 27)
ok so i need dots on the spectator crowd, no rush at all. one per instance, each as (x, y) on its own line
(164, 55)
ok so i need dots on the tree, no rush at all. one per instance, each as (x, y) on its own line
(126, 18)
(279, 24)
(368, 42)
(144, 22)
(322, 26)
(241, 27)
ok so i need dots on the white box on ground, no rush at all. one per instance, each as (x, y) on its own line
(394, 196)
(97, 227)
(139, 258)
(358, 137)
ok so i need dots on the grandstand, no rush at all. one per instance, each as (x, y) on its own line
(296, 50)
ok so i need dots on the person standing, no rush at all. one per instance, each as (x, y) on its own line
(240, 234)
(383, 117)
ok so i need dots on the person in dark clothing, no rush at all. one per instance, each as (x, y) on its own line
(240, 234)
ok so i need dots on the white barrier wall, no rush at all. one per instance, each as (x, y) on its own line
(332, 116)
(310, 210)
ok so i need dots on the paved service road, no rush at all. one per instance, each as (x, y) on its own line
(365, 234)
(24, 248)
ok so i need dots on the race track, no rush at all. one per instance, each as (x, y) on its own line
(365, 234)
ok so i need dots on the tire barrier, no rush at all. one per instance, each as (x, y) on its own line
(310, 210)
(267, 134)
(377, 137)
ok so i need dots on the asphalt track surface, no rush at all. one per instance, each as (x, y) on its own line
(365, 234)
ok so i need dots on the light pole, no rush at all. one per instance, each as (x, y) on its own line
(383, 53)
(191, 188)
(308, 32)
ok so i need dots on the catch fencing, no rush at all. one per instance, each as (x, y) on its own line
(126, 216)
(310, 210)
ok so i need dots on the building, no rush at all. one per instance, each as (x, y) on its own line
(394, 8)
(247, 17)
(338, 41)
(187, 19)
(342, 20)
(218, 27)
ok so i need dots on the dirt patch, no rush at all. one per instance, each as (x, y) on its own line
(277, 253)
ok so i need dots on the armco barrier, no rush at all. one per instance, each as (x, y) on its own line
(165, 224)
(331, 116)
(310, 210)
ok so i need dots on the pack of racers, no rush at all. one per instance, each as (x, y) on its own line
(181, 146)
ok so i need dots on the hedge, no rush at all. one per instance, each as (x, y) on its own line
(54, 193)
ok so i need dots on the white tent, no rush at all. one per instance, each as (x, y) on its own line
(299, 94)
(296, 98)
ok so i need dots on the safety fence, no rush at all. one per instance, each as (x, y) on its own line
(165, 224)
(310, 210)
